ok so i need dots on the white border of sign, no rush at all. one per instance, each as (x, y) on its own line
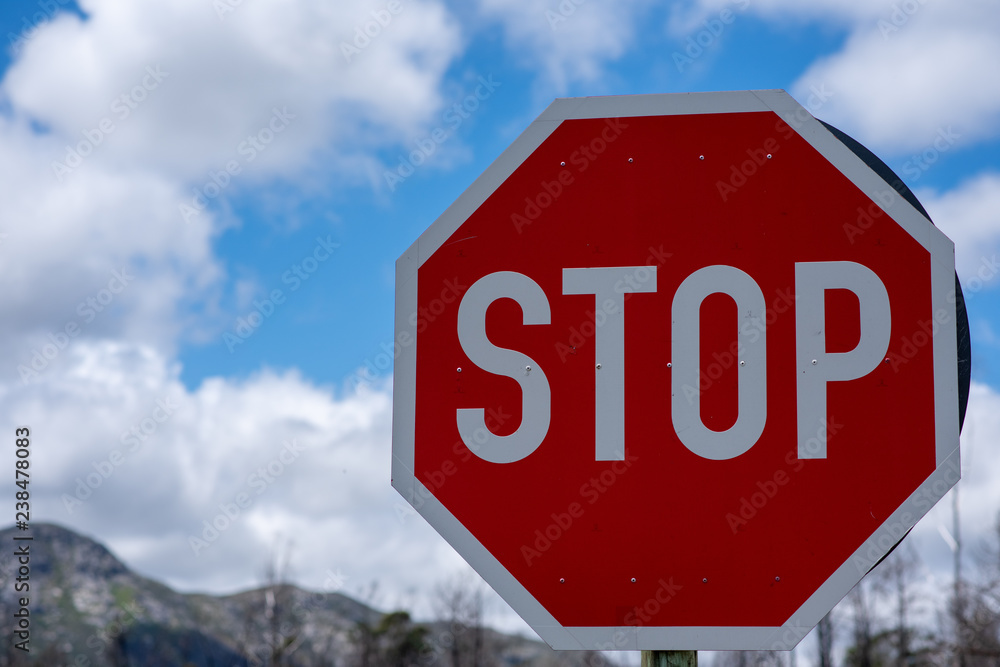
(785, 637)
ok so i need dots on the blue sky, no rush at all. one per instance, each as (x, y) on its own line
(328, 127)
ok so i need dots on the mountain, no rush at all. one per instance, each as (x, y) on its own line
(87, 609)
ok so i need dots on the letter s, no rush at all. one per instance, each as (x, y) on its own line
(536, 398)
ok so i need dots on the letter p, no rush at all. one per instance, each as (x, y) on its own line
(813, 364)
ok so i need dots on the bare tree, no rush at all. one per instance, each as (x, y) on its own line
(862, 654)
(459, 602)
(976, 608)
(958, 601)
(893, 579)
(824, 638)
(271, 620)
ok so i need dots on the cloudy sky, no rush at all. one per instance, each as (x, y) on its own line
(198, 234)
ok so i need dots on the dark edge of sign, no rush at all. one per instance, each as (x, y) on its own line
(962, 321)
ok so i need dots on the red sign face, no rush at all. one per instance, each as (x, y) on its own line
(677, 376)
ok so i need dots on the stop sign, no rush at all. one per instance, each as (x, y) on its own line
(676, 371)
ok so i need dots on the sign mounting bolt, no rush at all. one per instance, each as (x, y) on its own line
(705, 580)
(598, 367)
(562, 164)
(633, 580)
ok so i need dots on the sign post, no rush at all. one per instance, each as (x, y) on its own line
(715, 289)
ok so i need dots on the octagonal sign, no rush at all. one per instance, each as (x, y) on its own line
(676, 371)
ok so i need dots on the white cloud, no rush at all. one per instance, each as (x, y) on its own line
(221, 78)
(66, 242)
(196, 86)
(333, 501)
(314, 467)
(896, 87)
(979, 495)
(570, 41)
(120, 209)
(100, 399)
(907, 69)
(970, 216)
(844, 11)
